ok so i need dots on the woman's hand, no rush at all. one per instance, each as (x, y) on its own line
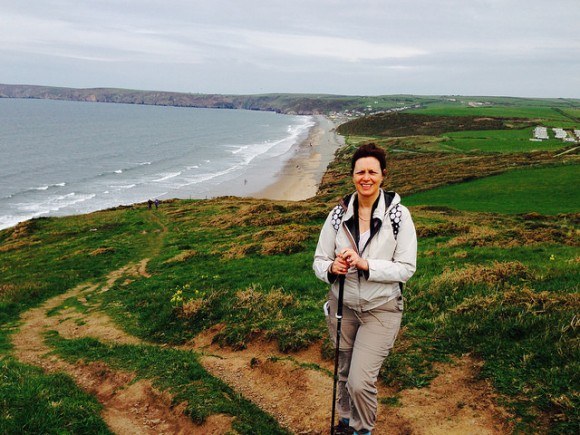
(352, 259)
(339, 266)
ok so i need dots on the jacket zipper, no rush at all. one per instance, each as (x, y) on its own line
(354, 245)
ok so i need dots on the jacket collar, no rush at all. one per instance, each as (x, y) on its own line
(380, 210)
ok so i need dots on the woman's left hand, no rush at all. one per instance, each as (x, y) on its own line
(353, 259)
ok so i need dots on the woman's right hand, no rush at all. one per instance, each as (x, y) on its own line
(339, 266)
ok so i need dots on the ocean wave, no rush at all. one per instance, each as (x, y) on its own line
(47, 186)
(7, 221)
(276, 148)
(167, 176)
(124, 186)
(52, 204)
(128, 168)
(34, 190)
(239, 149)
(201, 178)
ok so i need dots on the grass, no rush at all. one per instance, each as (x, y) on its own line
(33, 402)
(513, 306)
(544, 190)
(239, 265)
(509, 323)
(44, 257)
(499, 141)
(503, 111)
(72, 246)
(286, 305)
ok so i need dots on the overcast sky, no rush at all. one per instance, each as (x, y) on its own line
(355, 47)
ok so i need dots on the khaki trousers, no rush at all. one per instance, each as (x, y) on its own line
(366, 340)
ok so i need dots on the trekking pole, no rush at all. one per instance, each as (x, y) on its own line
(338, 326)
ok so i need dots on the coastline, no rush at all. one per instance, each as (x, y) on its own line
(301, 175)
(294, 176)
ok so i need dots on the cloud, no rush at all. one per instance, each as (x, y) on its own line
(341, 48)
(96, 42)
(324, 46)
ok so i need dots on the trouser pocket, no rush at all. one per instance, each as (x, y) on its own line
(393, 306)
(400, 303)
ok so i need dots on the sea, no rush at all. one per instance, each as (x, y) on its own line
(63, 157)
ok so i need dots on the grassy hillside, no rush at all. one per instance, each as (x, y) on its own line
(546, 190)
(495, 282)
(411, 124)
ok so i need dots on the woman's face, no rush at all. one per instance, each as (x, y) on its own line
(367, 176)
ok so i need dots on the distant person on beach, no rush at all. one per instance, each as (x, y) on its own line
(149, 204)
(156, 203)
(369, 239)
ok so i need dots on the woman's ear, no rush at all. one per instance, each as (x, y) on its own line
(384, 172)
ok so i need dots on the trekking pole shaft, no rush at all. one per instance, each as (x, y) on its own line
(337, 348)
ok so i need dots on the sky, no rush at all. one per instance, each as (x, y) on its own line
(521, 48)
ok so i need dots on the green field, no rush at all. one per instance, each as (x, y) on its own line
(544, 113)
(574, 113)
(549, 191)
(499, 141)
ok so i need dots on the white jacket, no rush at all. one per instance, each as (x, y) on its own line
(391, 260)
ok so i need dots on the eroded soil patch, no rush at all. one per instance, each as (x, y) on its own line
(296, 389)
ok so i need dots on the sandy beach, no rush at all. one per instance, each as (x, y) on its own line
(294, 176)
(300, 177)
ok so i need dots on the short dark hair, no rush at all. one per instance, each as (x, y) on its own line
(369, 150)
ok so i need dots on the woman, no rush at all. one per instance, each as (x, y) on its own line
(370, 239)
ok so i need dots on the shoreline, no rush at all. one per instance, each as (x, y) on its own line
(299, 176)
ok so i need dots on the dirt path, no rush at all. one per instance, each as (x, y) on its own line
(298, 395)
(129, 407)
